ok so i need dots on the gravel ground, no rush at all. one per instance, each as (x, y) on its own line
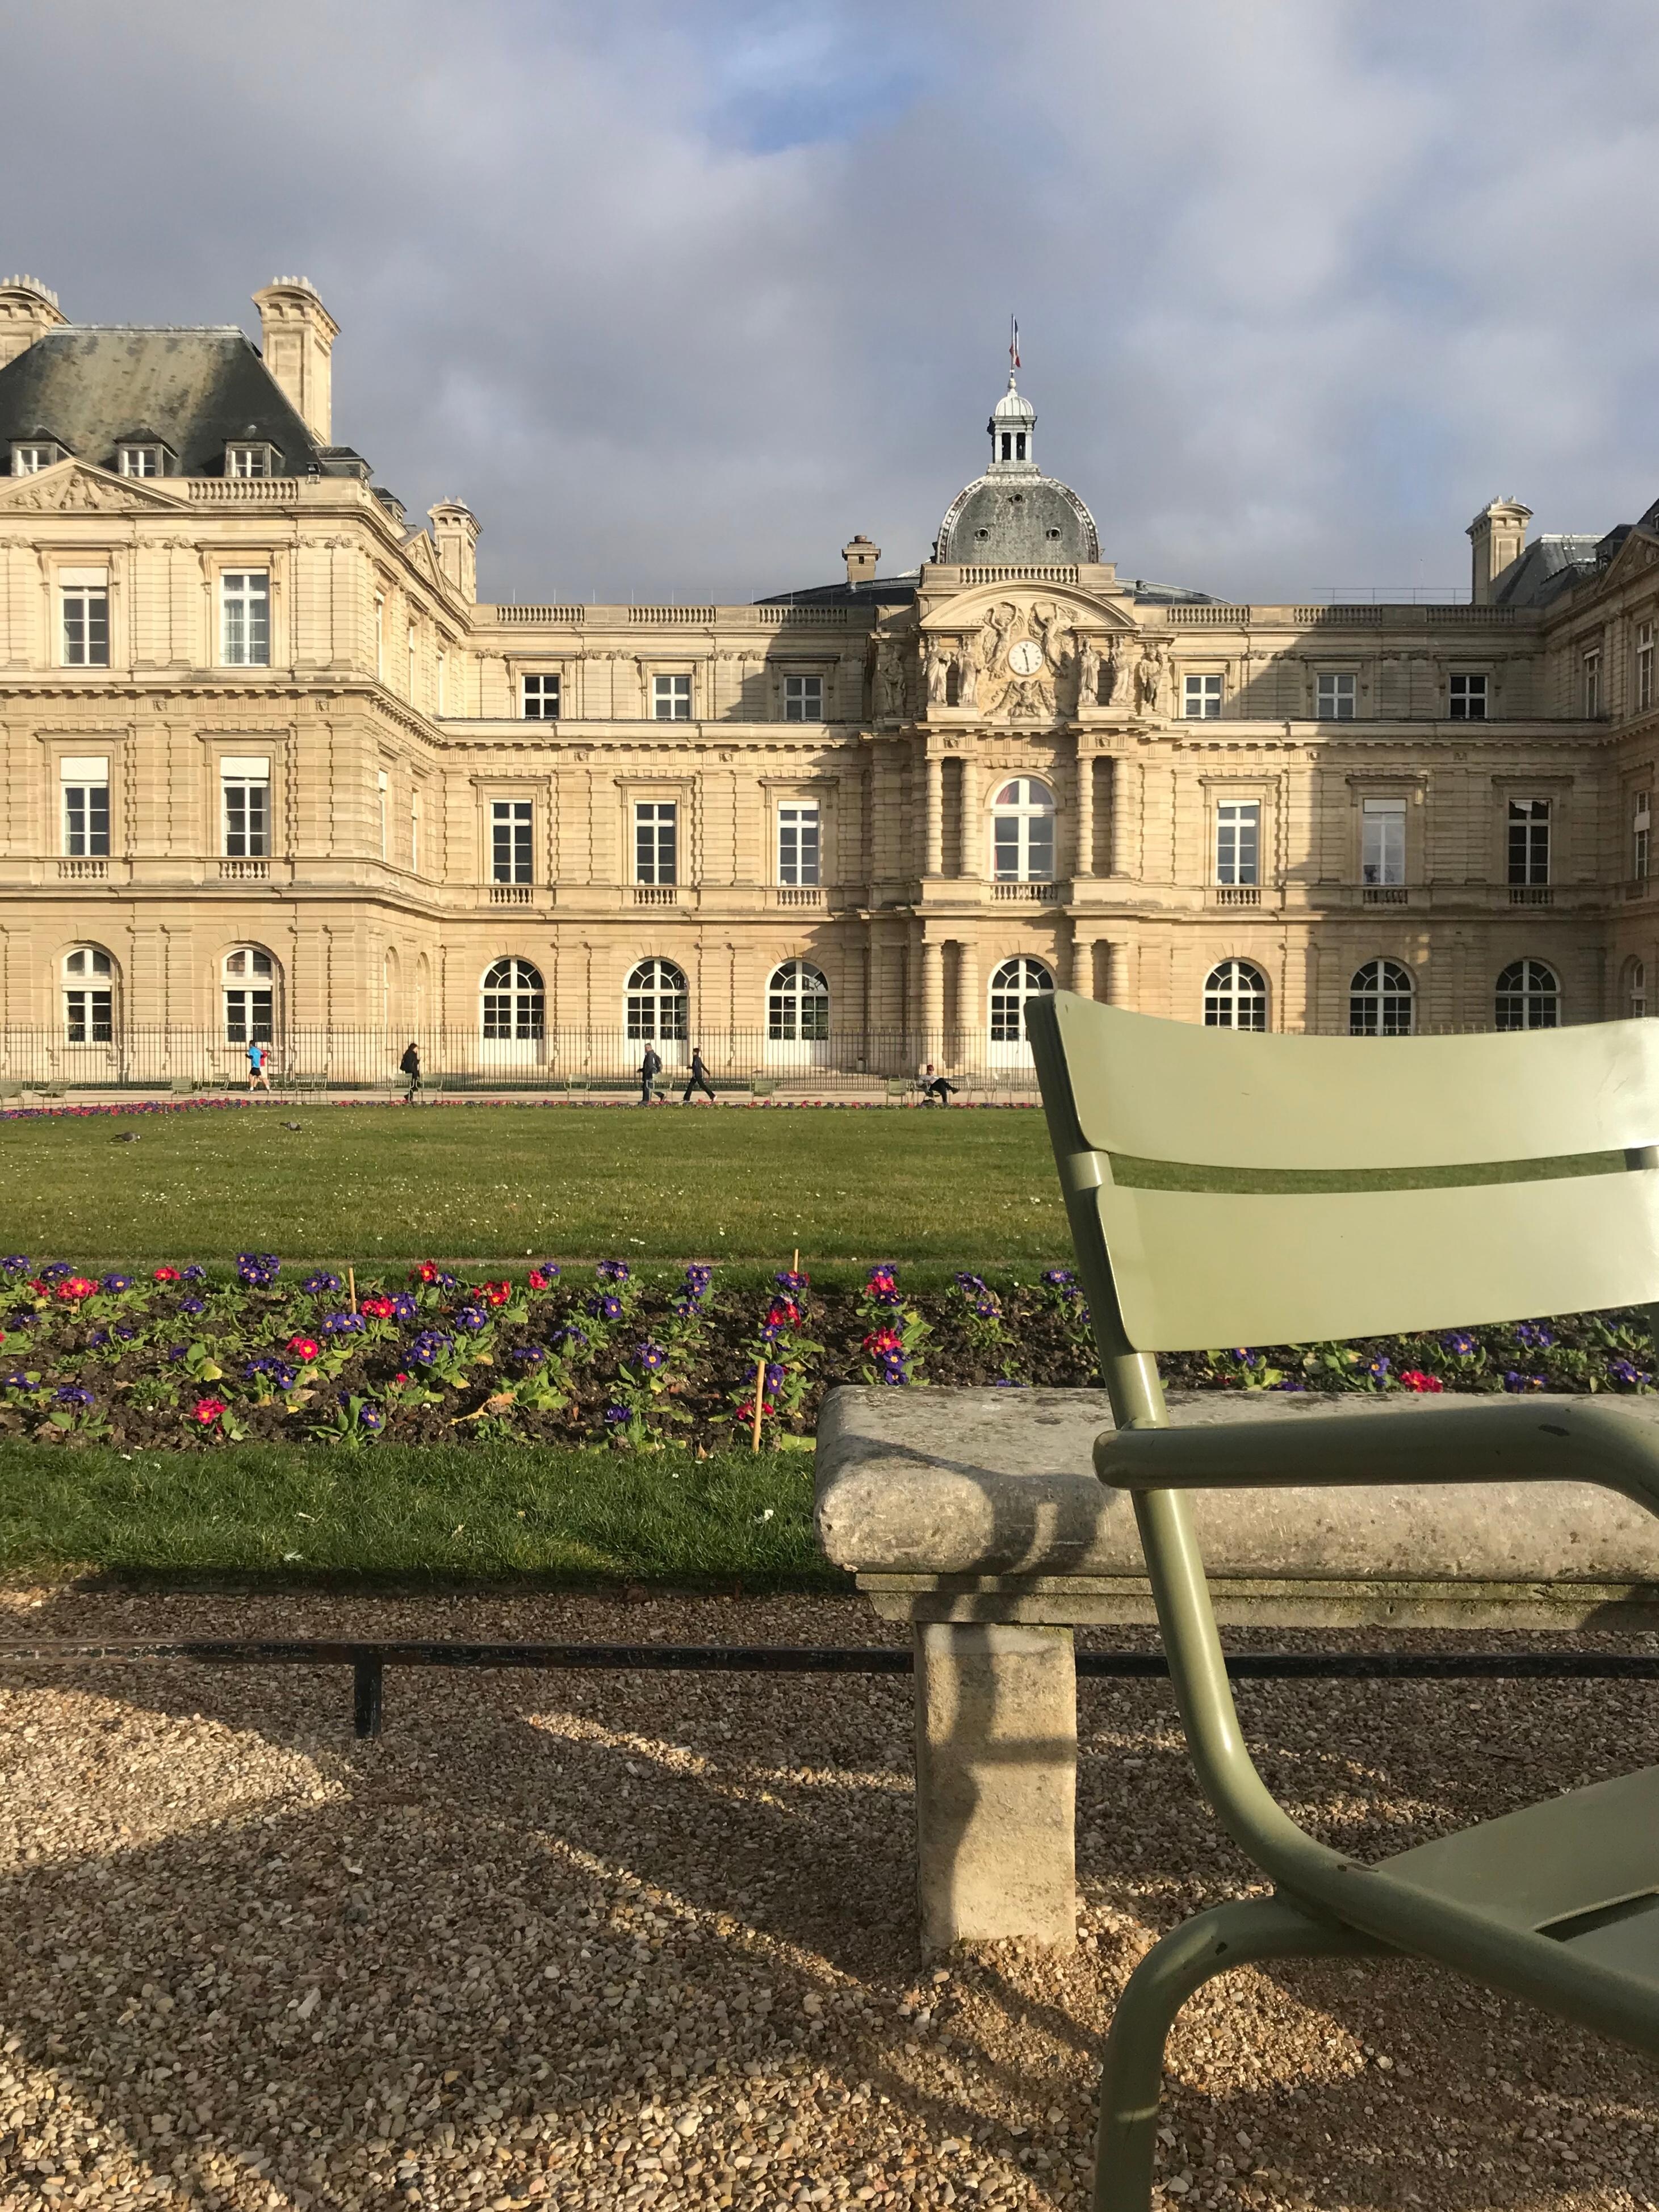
(648, 1940)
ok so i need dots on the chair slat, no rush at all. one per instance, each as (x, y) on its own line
(1171, 1091)
(1198, 1269)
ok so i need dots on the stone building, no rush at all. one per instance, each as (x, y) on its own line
(269, 766)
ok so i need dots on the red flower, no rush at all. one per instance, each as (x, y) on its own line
(165, 1275)
(428, 1272)
(1413, 1378)
(75, 1287)
(538, 1281)
(206, 1412)
(882, 1339)
(377, 1309)
(303, 1347)
(784, 1314)
(400, 1378)
(492, 1294)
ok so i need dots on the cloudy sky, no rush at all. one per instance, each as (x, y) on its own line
(680, 293)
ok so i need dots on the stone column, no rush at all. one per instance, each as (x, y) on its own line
(1083, 863)
(968, 1021)
(935, 859)
(996, 1782)
(1083, 962)
(933, 997)
(971, 860)
(1125, 831)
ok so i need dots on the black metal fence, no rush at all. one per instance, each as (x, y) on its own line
(149, 1056)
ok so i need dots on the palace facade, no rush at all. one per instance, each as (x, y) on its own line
(270, 767)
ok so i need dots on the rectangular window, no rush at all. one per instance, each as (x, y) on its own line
(1237, 841)
(1641, 821)
(1382, 825)
(245, 780)
(85, 600)
(1592, 683)
(30, 460)
(511, 827)
(1644, 665)
(384, 795)
(540, 698)
(141, 461)
(803, 698)
(248, 461)
(1530, 841)
(671, 698)
(656, 858)
(798, 844)
(1335, 696)
(1201, 699)
(1467, 698)
(83, 779)
(244, 619)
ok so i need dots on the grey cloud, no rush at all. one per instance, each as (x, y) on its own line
(680, 295)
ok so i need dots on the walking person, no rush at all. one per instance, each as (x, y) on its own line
(933, 1086)
(257, 1076)
(649, 1067)
(699, 1078)
(410, 1065)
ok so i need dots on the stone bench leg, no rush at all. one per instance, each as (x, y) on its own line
(996, 1782)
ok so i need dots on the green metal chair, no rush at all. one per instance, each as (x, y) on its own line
(1229, 1189)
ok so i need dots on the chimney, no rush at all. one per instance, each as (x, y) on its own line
(861, 557)
(27, 312)
(455, 528)
(1498, 534)
(297, 334)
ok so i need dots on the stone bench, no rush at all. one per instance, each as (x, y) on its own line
(977, 1516)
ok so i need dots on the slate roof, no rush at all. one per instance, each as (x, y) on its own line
(90, 388)
(1014, 514)
(878, 591)
(1546, 567)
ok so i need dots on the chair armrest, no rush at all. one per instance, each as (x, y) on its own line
(1504, 1443)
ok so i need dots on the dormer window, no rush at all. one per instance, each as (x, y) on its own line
(143, 458)
(30, 457)
(251, 459)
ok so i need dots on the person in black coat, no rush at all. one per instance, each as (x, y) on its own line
(649, 1067)
(699, 1077)
(410, 1065)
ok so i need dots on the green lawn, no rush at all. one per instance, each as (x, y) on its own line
(472, 1514)
(469, 1182)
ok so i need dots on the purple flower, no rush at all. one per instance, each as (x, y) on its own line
(1514, 1381)
(1377, 1368)
(192, 1305)
(117, 1283)
(1245, 1358)
(612, 1271)
(193, 1274)
(571, 1338)
(371, 1417)
(405, 1308)
(98, 1340)
(1462, 1343)
(973, 1284)
(54, 1270)
(786, 1278)
(1533, 1336)
(67, 1394)
(1059, 1279)
(530, 1355)
(125, 1331)
(18, 1380)
(774, 1375)
(322, 1285)
(604, 1308)
(651, 1355)
(15, 1263)
(473, 1318)
(615, 1413)
(430, 1346)
(343, 1324)
(1625, 1371)
(177, 1350)
(259, 1270)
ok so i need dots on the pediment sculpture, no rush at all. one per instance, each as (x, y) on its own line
(72, 487)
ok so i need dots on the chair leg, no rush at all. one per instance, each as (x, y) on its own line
(1132, 2072)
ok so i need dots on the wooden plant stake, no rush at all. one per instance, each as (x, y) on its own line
(351, 1284)
(760, 1401)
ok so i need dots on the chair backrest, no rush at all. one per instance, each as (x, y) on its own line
(1244, 1188)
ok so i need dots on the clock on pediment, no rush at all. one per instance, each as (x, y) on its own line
(1025, 656)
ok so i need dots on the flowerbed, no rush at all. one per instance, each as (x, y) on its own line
(605, 1356)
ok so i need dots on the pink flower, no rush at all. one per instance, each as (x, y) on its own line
(377, 1309)
(165, 1275)
(881, 1340)
(303, 1347)
(1413, 1378)
(206, 1412)
(76, 1287)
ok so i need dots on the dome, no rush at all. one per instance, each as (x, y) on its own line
(1013, 407)
(1013, 512)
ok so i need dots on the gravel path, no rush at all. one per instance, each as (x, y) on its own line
(648, 1940)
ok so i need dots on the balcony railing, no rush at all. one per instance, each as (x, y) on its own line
(1384, 894)
(1236, 894)
(797, 895)
(512, 895)
(1532, 895)
(82, 872)
(1031, 894)
(656, 894)
(244, 872)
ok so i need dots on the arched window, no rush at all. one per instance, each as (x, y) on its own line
(89, 995)
(1528, 996)
(1014, 982)
(657, 1003)
(796, 1004)
(250, 986)
(1235, 997)
(1023, 832)
(513, 1002)
(1380, 1000)
(1636, 989)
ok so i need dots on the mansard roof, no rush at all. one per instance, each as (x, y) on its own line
(1013, 515)
(1545, 568)
(201, 389)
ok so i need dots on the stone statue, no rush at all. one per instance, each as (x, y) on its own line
(1149, 679)
(1088, 670)
(940, 661)
(999, 621)
(889, 680)
(1109, 672)
(1048, 627)
(967, 674)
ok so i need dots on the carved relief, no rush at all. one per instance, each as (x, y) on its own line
(69, 489)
